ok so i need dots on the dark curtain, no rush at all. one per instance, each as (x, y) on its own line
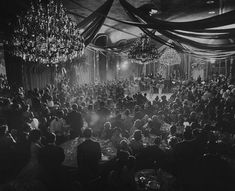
(32, 75)
(37, 76)
(14, 67)
(102, 41)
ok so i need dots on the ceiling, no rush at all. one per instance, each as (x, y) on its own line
(173, 10)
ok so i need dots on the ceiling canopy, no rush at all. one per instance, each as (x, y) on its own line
(172, 10)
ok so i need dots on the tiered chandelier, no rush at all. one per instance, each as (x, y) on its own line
(47, 35)
(143, 51)
(170, 57)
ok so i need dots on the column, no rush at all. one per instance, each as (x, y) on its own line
(97, 67)
(144, 69)
(94, 66)
(226, 67)
(189, 66)
(232, 68)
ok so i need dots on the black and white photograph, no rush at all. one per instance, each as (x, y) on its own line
(117, 95)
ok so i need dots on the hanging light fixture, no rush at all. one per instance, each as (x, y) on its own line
(170, 57)
(45, 34)
(143, 51)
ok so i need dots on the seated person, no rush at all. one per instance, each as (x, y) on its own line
(106, 133)
(122, 176)
(124, 146)
(151, 156)
(51, 155)
(88, 156)
(136, 143)
(7, 144)
(53, 174)
(116, 137)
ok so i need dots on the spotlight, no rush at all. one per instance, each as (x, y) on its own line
(211, 12)
(212, 60)
(124, 65)
(210, 2)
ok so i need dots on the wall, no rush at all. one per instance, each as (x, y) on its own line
(84, 71)
(2, 61)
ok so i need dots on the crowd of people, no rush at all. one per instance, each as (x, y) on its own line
(154, 83)
(198, 148)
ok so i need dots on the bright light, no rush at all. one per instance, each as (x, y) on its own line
(211, 12)
(153, 11)
(124, 65)
(210, 2)
(212, 60)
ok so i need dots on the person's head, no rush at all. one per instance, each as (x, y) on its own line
(196, 133)
(87, 133)
(3, 130)
(187, 133)
(156, 98)
(173, 129)
(150, 123)
(75, 106)
(131, 162)
(123, 156)
(34, 135)
(137, 108)
(124, 145)
(172, 142)
(90, 107)
(155, 118)
(119, 116)
(157, 141)
(163, 98)
(26, 127)
(60, 113)
(102, 104)
(51, 138)
(117, 131)
(193, 115)
(195, 125)
(137, 123)
(107, 125)
(127, 112)
(26, 107)
(137, 135)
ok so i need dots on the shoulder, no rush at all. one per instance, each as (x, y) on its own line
(92, 142)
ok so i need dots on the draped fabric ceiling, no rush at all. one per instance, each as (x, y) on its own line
(210, 37)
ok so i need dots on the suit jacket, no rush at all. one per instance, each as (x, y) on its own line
(88, 156)
(74, 119)
(51, 155)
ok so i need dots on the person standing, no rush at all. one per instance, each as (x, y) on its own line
(88, 157)
(75, 121)
(151, 90)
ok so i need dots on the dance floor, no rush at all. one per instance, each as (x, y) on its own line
(152, 97)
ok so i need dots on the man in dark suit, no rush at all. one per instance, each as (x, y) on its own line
(51, 154)
(53, 174)
(88, 156)
(74, 119)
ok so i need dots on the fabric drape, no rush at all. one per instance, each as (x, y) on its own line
(92, 24)
(203, 37)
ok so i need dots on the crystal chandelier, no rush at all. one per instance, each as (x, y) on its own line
(143, 51)
(170, 57)
(47, 35)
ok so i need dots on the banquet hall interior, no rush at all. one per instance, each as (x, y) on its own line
(117, 95)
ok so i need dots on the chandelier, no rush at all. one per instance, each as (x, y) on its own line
(170, 57)
(143, 51)
(45, 34)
